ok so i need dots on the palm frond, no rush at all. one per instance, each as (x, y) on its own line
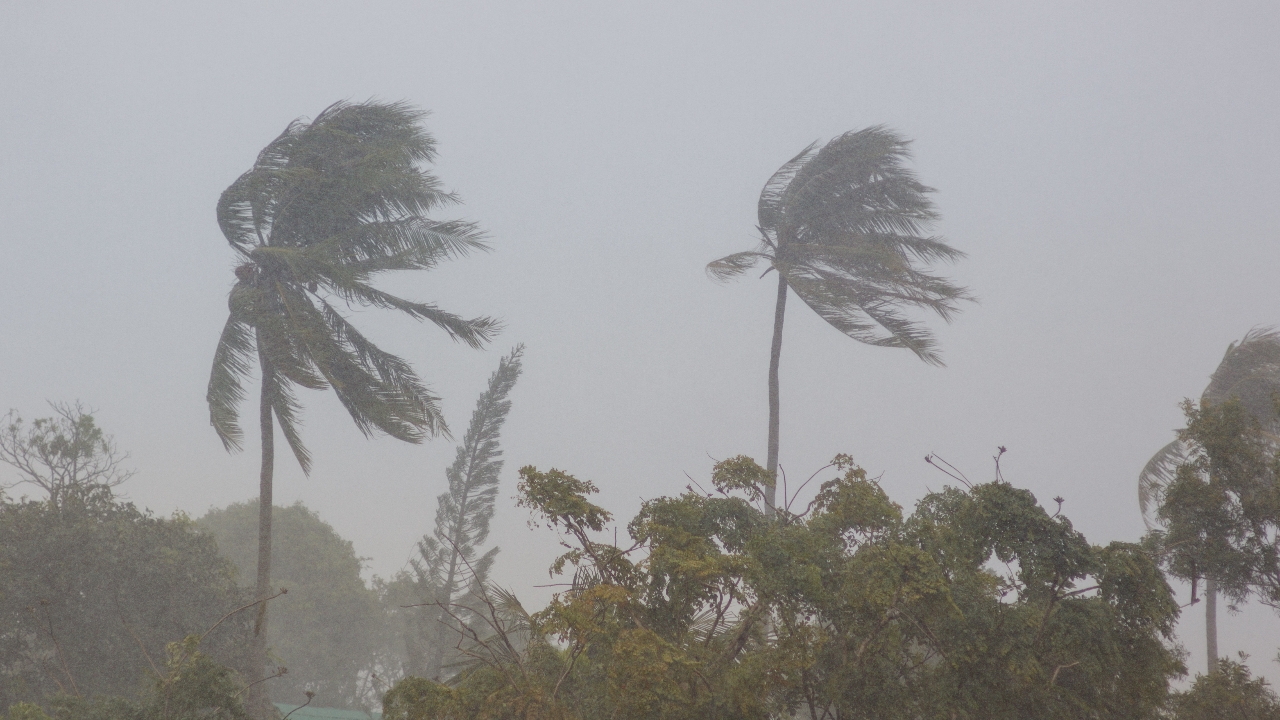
(770, 209)
(1250, 371)
(1156, 475)
(474, 332)
(731, 266)
(285, 407)
(232, 362)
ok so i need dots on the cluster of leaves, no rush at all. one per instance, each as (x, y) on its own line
(980, 604)
(1230, 692)
(95, 589)
(1220, 514)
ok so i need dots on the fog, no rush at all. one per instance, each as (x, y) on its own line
(1109, 169)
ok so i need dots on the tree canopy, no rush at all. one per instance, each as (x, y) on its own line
(329, 629)
(980, 604)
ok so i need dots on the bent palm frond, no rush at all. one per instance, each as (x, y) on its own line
(1156, 475)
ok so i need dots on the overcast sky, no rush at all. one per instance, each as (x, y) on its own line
(1110, 168)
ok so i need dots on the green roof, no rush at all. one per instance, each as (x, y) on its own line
(310, 712)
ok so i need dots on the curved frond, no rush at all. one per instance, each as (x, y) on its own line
(232, 362)
(475, 332)
(285, 407)
(731, 266)
(770, 209)
(1156, 475)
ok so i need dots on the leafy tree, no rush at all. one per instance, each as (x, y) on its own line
(66, 454)
(450, 564)
(1250, 373)
(1228, 693)
(92, 590)
(844, 227)
(328, 630)
(327, 206)
(191, 687)
(843, 609)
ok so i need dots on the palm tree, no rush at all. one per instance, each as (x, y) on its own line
(1249, 371)
(327, 206)
(844, 227)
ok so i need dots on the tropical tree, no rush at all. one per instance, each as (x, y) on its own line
(451, 564)
(326, 207)
(845, 228)
(1250, 373)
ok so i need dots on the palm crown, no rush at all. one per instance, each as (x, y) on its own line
(845, 227)
(326, 207)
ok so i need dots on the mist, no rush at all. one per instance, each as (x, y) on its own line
(1108, 171)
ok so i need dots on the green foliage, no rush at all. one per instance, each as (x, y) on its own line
(1221, 512)
(329, 629)
(1230, 693)
(328, 206)
(844, 609)
(92, 590)
(450, 567)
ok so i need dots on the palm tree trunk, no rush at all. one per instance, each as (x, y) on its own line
(258, 702)
(1211, 622)
(775, 354)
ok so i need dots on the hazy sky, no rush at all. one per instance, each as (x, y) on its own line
(1111, 169)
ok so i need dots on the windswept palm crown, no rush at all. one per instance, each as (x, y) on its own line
(845, 226)
(326, 207)
(1250, 372)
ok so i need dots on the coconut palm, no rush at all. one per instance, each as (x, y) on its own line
(327, 206)
(1249, 372)
(845, 228)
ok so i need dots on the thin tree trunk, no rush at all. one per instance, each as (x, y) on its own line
(775, 355)
(435, 660)
(258, 702)
(1211, 622)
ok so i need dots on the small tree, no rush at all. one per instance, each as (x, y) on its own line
(63, 455)
(451, 566)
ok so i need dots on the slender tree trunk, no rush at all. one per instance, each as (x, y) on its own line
(435, 658)
(775, 354)
(1211, 622)
(258, 702)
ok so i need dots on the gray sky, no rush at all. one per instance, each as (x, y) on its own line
(1110, 168)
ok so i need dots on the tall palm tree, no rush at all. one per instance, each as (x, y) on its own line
(845, 228)
(327, 206)
(1249, 371)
